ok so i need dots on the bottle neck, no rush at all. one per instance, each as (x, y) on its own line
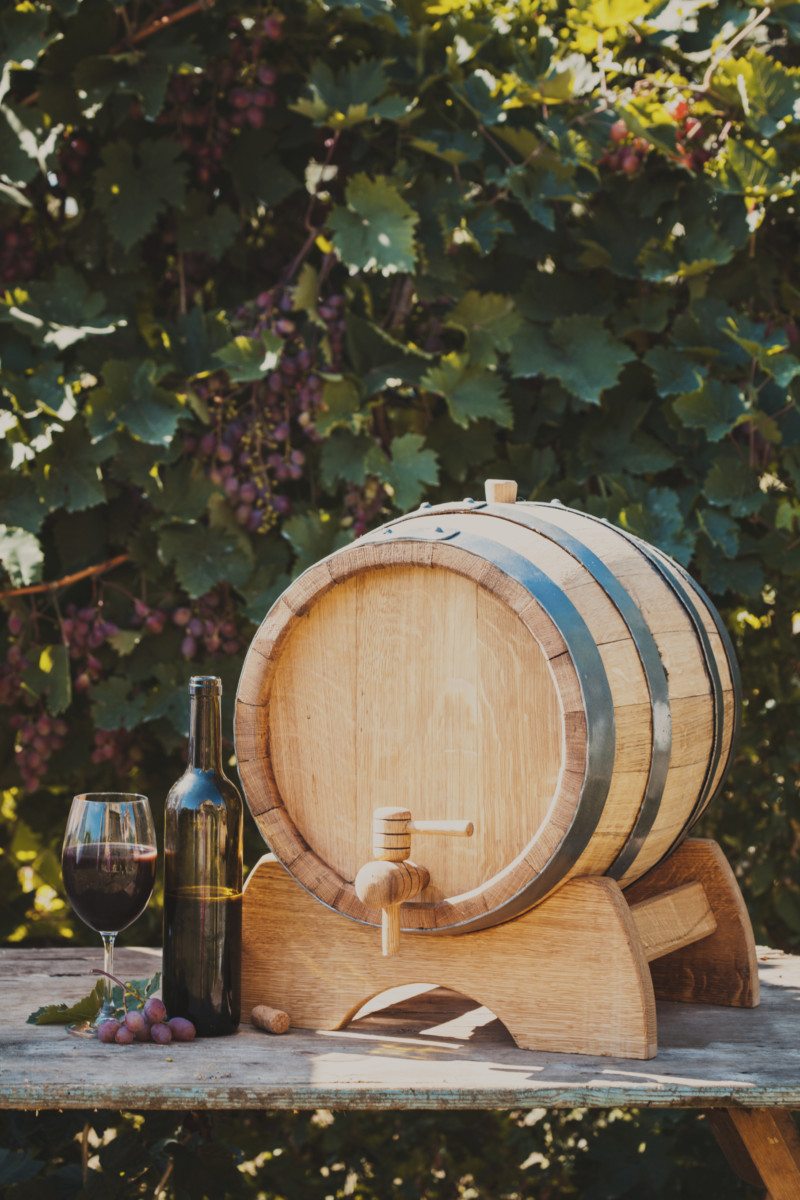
(205, 732)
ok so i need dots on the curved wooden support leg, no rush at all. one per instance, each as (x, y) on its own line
(569, 976)
(721, 968)
(762, 1146)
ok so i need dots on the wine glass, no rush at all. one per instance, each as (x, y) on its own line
(108, 863)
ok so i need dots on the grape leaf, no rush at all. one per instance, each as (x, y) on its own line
(313, 536)
(341, 406)
(349, 97)
(385, 12)
(731, 484)
(488, 322)
(182, 490)
(343, 458)
(379, 359)
(579, 352)
(721, 530)
(258, 176)
(114, 706)
(659, 520)
(204, 556)
(408, 470)
(375, 232)
(49, 312)
(130, 396)
(673, 372)
(248, 359)
(85, 1009)
(715, 407)
(205, 231)
(135, 185)
(21, 556)
(764, 89)
(143, 989)
(70, 470)
(470, 393)
(54, 664)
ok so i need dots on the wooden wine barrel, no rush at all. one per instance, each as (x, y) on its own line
(538, 671)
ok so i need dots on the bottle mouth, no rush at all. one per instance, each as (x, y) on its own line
(206, 684)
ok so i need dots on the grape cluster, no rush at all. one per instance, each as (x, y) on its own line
(210, 623)
(251, 450)
(18, 258)
(38, 737)
(364, 505)
(233, 93)
(16, 663)
(117, 746)
(627, 152)
(72, 156)
(147, 1024)
(86, 631)
(690, 143)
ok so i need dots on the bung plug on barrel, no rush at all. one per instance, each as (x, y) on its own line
(390, 879)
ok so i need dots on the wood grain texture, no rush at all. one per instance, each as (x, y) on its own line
(567, 976)
(770, 1141)
(672, 920)
(734, 1149)
(722, 969)
(431, 1051)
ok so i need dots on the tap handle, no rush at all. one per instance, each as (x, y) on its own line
(392, 828)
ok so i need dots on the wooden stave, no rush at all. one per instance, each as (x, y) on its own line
(682, 584)
(505, 912)
(643, 641)
(685, 588)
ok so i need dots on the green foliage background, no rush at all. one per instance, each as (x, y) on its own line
(417, 249)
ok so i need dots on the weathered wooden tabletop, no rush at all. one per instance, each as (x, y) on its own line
(433, 1050)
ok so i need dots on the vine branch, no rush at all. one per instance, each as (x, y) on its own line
(725, 50)
(167, 19)
(55, 585)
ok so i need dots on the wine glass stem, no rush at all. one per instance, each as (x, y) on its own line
(108, 966)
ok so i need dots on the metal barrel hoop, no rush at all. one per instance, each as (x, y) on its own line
(597, 701)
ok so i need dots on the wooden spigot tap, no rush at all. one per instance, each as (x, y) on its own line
(391, 879)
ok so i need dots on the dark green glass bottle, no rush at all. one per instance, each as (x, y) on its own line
(203, 878)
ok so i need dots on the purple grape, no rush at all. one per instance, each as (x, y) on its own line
(208, 443)
(182, 1029)
(155, 1010)
(248, 493)
(107, 1030)
(195, 627)
(123, 1036)
(138, 1024)
(161, 1033)
(224, 454)
(188, 647)
(231, 486)
(182, 616)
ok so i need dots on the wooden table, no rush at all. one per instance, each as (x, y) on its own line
(432, 1050)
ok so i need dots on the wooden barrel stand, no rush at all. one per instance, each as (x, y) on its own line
(578, 974)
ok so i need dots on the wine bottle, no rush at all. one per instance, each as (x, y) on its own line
(203, 877)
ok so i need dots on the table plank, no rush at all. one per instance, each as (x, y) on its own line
(434, 1049)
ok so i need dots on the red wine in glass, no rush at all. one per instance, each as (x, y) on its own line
(108, 864)
(109, 883)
